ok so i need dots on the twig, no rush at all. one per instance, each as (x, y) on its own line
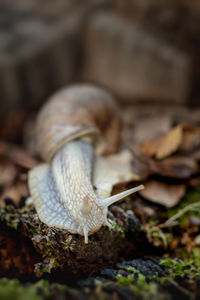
(180, 213)
(171, 221)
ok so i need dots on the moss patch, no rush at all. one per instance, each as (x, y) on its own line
(188, 267)
(12, 289)
(138, 283)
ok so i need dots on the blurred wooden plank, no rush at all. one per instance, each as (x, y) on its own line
(39, 48)
(134, 63)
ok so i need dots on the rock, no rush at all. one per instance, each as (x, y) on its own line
(148, 267)
(133, 62)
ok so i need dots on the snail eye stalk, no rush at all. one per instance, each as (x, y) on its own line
(108, 201)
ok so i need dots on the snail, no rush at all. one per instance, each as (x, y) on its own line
(74, 128)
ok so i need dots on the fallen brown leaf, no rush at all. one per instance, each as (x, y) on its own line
(184, 137)
(21, 158)
(142, 164)
(147, 122)
(191, 138)
(150, 127)
(164, 146)
(196, 155)
(16, 155)
(8, 173)
(174, 243)
(177, 166)
(163, 193)
(188, 238)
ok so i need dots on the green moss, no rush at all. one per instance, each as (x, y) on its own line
(41, 290)
(12, 289)
(125, 281)
(157, 235)
(168, 237)
(188, 267)
(12, 221)
(52, 264)
(119, 229)
(38, 230)
(137, 282)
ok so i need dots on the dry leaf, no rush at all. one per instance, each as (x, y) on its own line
(21, 158)
(177, 166)
(196, 155)
(164, 146)
(142, 164)
(188, 238)
(17, 155)
(147, 122)
(151, 127)
(8, 173)
(183, 137)
(112, 170)
(162, 193)
(191, 138)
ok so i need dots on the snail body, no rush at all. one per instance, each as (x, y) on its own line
(74, 128)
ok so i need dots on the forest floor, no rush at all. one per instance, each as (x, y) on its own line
(153, 249)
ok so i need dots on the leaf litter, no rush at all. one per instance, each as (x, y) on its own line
(164, 143)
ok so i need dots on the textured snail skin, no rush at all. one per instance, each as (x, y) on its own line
(63, 188)
(63, 193)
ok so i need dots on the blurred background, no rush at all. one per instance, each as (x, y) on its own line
(147, 53)
(143, 51)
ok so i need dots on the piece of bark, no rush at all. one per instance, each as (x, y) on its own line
(55, 249)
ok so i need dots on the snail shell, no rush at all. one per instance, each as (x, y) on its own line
(72, 190)
(75, 112)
